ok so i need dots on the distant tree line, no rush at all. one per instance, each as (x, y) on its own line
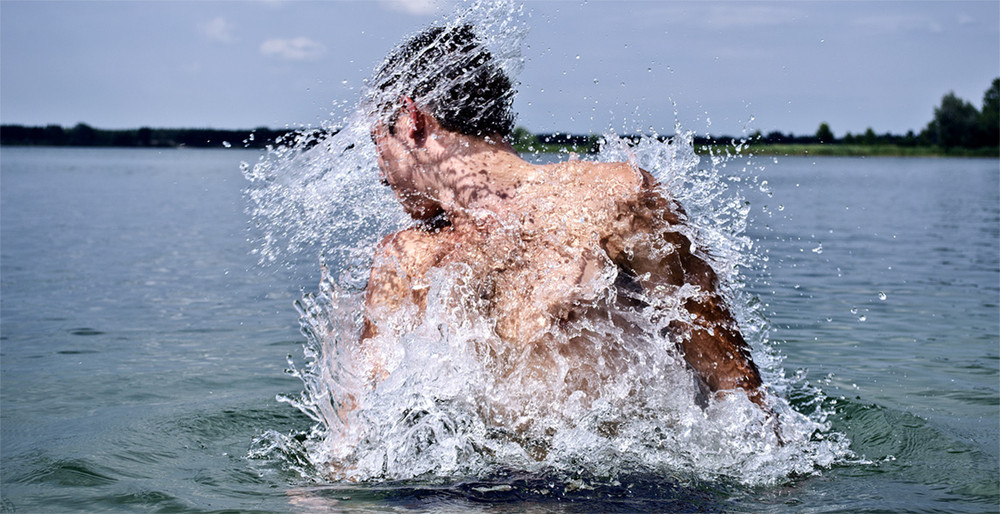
(85, 135)
(957, 124)
(525, 140)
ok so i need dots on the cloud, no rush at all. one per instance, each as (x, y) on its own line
(219, 29)
(294, 49)
(415, 7)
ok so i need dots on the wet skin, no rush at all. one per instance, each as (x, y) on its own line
(539, 246)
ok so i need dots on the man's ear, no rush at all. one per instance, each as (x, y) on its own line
(418, 120)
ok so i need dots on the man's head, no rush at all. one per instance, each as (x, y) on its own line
(448, 72)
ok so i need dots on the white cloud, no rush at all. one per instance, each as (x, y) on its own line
(219, 29)
(416, 7)
(294, 49)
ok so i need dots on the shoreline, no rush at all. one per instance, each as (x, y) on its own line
(750, 150)
(847, 150)
(799, 150)
(84, 136)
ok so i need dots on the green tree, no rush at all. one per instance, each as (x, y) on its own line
(824, 134)
(989, 118)
(869, 138)
(956, 122)
(594, 143)
(145, 136)
(82, 135)
(928, 136)
(55, 135)
(521, 136)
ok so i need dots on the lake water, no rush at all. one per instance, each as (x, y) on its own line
(142, 347)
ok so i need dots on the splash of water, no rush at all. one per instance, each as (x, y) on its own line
(318, 190)
(445, 411)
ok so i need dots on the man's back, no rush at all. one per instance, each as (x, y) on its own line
(569, 248)
(531, 258)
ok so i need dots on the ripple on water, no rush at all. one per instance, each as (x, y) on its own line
(890, 441)
(85, 331)
(68, 473)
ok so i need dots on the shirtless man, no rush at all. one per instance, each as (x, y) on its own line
(539, 246)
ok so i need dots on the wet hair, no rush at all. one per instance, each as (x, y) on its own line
(449, 72)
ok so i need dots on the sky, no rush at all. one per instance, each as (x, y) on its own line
(590, 66)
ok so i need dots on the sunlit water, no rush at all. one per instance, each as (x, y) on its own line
(143, 346)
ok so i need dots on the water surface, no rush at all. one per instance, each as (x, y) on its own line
(142, 346)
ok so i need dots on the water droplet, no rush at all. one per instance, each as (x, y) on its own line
(578, 56)
(881, 296)
(596, 81)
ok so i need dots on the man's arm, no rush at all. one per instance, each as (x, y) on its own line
(385, 287)
(398, 279)
(649, 246)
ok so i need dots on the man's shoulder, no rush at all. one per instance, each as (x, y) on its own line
(608, 176)
(406, 241)
(625, 187)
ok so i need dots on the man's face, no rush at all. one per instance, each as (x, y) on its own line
(400, 169)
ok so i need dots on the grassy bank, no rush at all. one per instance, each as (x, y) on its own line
(539, 148)
(798, 149)
(847, 150)
(524, 141)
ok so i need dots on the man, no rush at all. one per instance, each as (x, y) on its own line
(545, 252)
